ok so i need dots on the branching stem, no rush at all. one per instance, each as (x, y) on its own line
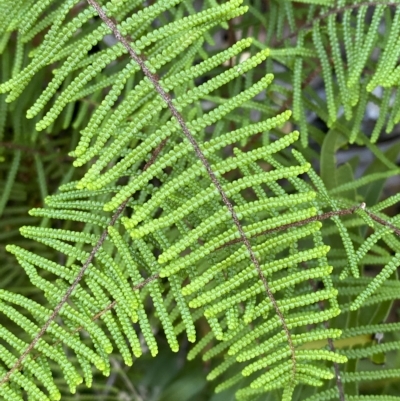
(79, 276)
(175, 113)
(243, 238)
(66, 296)
(320, 217)
(336, 11)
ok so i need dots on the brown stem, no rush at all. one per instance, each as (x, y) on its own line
(165, 96)
(383, 222)
(155, 154)
(78, 278)
(286, 226)
(66, 296)
(336, 11)
(110, 306)
(175, 113)
(319, 217)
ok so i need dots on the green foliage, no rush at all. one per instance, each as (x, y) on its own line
(82, 130)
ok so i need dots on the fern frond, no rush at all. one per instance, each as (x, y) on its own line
(137, 234)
